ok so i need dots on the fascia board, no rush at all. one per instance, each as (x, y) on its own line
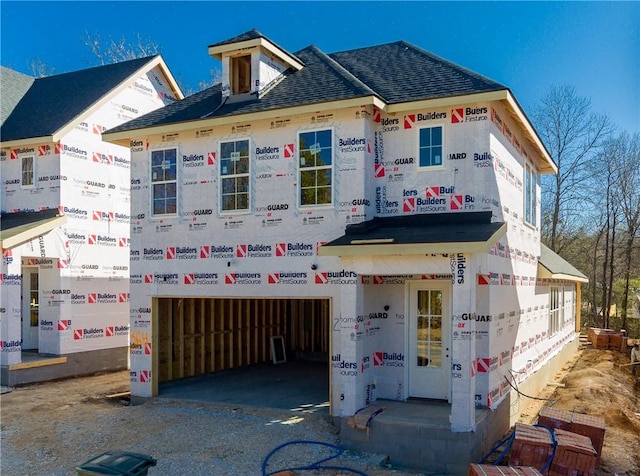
(33, 232)
(63, 131)
(218, 51)
(548, 165)
(414, 248)
(545, 273)
(30, 141)
(447, 101)
(124, 136)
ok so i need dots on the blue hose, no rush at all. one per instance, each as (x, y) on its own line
(312, 466)
(554, 443)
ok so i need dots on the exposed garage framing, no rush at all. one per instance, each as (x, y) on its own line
(199, 335)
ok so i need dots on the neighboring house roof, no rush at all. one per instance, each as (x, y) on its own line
(553, 266)
(395, 72)
(53, 102)
(13, 87)
(21, 227)
(467, 232)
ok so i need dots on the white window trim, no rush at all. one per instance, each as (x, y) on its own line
(322, 206)
(152, 216)
(533, 195)
(425, 168)
(222, 212)
(34, 175)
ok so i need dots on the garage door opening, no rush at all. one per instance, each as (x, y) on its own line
(220, 349)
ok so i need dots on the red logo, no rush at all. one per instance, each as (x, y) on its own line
(97, 215)
(171, 252)
(147, 348)
(457, 115)
(321, 278)
(378, 359)
(14, 154)
(483, 365)
(205, 252)
(144, 376)
(273, 278)
(122, 242)
(432, 192)
(289, 150)
(59, 147)
(148, 279)
(97, 129)
(123, 297)
(241, 251)
(377, 116)
(281, 249)
(378, 280)
(77, 334)
(484, 279)
(62, 263)
(92, 240)
(379, 171)
(456, 202)
(211, 158)
(189, 279)
(230, 278)
(92, 298)
(409, 205)
(42, 150)
(409, 121)
(109, 331)
(64, 324)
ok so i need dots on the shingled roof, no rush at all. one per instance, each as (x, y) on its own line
(14, 86)
(52, 102)
(394, 73)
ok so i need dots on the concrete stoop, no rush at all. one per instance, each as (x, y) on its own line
(415, 445)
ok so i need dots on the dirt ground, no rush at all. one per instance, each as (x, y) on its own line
(593, 382)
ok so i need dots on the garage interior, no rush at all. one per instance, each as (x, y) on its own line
(220, 349)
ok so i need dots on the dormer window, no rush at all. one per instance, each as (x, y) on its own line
(241, 74)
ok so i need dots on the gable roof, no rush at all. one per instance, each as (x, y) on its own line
(13, 87)
(554, 266)
(53, 102)
(327, 78)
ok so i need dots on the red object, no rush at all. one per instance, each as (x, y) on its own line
(491, 470)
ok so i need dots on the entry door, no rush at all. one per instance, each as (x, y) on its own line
(30, 302)
(429, 340)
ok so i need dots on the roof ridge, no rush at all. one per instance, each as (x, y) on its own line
(344, 72)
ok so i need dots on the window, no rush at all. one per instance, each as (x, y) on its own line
(234, 176)
(556, 311)
(241, 74)
(430, 147)
(530, 182)
(315, 167)
(164, 182)
(28, 172)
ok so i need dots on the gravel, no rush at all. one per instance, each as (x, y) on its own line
(54, 437)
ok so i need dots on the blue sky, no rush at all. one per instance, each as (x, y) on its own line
(527, 46)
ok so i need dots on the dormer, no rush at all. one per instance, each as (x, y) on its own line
(251, 62)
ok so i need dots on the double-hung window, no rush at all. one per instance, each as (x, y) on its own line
(234, 176)
(556, 310)
(430, 147)
(164, 182)
(28, 172)
(315, 167)
(530, 182)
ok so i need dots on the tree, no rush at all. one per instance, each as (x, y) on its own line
(572, 134)
(113, 51)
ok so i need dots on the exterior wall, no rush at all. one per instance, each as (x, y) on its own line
(84, 266)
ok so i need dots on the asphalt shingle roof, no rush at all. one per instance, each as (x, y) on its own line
(395, 72)
(556, 264)
(13, 86)
(454, 227)
(54, 101)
